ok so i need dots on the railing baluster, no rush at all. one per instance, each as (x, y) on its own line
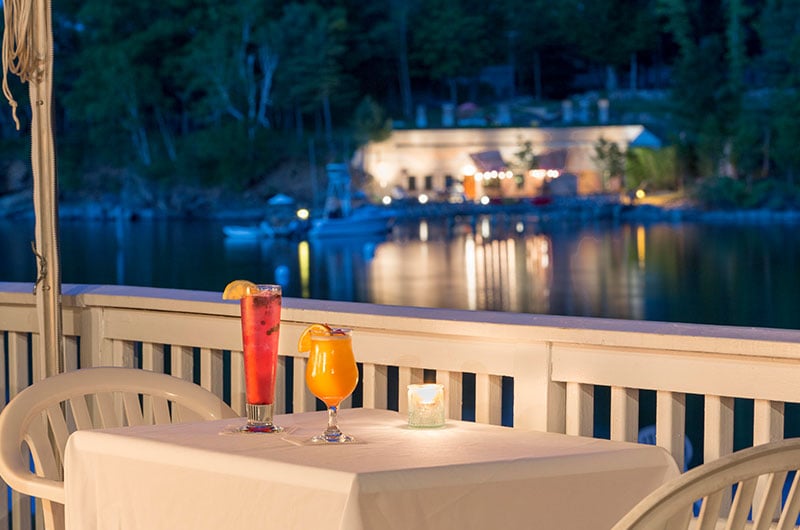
(488, 399)
(303, 400)
(153, 360)
(122, 353)
(670, 423)
(453, 392)
(71, 353)
(406, 376)
(375, 385)
(4, 507)
(17, 381)
(624, 414)
(153, 357)
(718, 439)
(237, 382)
(580, 409)
(211, 370)
(767, 427)
(182, 362)
(280, 386)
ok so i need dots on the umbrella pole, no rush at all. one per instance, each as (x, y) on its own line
(45, 198)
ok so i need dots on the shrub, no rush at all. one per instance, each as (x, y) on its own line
(655, 167)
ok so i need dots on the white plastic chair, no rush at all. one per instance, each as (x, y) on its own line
(759, 474)
(41, 418)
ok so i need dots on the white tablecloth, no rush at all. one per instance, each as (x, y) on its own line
(464, 476)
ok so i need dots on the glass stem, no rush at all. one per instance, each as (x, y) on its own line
(332, 427)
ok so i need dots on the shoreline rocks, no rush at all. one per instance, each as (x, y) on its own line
(566, 209)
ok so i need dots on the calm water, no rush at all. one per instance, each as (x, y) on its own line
(717, 274)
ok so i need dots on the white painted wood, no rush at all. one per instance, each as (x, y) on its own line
(580, 409)
(238, 398)
(38, 364)
(624, 414)
(686, 371)
(670, 421)
(767, 421)
(453, 383)
(539, 400)
(17, 381)
(211, 367)
(767, 427)
(182, 362)
(488, 399)
(375, 385)
(718, 441)
(554, 362)
(280, 386)
(303, 399)
(153, 357)
(406, 376)
(70, 353)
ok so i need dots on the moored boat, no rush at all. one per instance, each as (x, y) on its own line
(362, 221)
(242, 232)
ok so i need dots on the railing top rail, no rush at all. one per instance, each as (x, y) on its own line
(505, 327)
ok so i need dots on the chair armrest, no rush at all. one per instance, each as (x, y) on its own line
(20, 478)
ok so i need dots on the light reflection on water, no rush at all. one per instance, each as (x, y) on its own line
(738, 275)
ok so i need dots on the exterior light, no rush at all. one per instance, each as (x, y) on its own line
(422, 198)
(478, 176)
(386, 200)
(640, 194)
(302, 214)
(468, 170)
(485, 200)
(539, 173)
(553, 173)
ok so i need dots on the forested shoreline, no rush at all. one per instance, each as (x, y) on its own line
(168, 99)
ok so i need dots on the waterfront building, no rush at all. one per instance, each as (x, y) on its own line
(432, 161)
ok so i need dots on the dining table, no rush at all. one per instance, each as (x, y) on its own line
(464, 475)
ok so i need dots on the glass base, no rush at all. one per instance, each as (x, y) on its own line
(259, 419)
(325, 438)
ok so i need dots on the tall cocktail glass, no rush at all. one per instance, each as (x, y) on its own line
(261, 318)
(331, 375)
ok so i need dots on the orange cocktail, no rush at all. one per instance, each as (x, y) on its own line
(331, 374)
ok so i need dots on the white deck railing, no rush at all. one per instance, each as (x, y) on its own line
(554, 364)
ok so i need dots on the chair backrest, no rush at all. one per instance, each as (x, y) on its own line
(755, 477)
(35, 424)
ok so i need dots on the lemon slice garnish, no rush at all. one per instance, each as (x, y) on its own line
(238, 289)
(304, 344)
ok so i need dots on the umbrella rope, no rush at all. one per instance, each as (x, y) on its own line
(19, 54)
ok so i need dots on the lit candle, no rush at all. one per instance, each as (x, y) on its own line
(426, 405)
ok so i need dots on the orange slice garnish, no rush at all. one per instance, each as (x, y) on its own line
(304, 344)
(238, 289)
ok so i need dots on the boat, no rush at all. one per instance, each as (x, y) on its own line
(366, 220)
(280, 221)
(243, 233)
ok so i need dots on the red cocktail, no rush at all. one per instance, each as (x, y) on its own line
(261, 319)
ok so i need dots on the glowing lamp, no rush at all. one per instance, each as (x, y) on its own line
(426, 405)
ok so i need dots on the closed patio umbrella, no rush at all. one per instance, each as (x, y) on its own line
(28, 53)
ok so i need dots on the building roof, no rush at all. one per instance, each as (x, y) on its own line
(488, 161)
(553, 159)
